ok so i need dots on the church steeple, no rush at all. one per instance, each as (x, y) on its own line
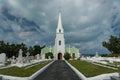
(59, 41)
(59, 26)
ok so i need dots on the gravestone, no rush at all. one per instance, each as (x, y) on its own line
(96, 55)
(20, 57)
(111, 61)
(38, 56)
(27, 57)
(49, 57)
(13, 60)
(43, 56)
(2, 58)
(32, 57)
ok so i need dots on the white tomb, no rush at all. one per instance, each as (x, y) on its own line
(38, 56)
(13, 60)
(2, 59)
(43, 56)
(96, 55)
(20, 57)
(27, 57)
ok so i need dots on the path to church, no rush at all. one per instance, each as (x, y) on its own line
(58, 70)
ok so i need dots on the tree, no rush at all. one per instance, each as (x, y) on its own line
(13, 49)
(67, 56)
(113, 45)
(104, 55)
(37, 49)
(49, 54)
(30, 50)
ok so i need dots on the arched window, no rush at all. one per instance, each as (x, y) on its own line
(59, 42)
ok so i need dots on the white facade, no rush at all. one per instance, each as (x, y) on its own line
(59, 47)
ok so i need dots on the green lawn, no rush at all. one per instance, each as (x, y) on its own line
(22, 72)
(90, 70)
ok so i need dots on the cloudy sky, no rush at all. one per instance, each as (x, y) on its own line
(86, 22)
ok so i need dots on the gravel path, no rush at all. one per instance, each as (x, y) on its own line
(58, 70)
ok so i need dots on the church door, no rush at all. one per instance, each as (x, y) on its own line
(73, 56)
(59, 56)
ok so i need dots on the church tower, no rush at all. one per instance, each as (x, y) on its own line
(59, 48)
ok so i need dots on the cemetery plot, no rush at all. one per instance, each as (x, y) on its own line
(109, 62)
(2, 59)
(114, 64)
(23, 71)
(89, 69)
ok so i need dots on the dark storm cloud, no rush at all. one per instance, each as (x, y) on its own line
(86, 23)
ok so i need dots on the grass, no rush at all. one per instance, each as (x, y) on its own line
(90, 70)
(22, 72)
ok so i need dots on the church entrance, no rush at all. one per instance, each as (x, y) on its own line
(73, 56)
(59, 56)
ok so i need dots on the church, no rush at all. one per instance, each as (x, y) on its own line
(59, 48)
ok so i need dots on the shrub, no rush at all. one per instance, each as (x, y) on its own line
(67, 56)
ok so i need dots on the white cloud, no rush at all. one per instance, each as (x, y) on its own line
(25, 35)
(84, 19)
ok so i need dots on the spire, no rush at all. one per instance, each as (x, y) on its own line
(59, 26)
(59, 21)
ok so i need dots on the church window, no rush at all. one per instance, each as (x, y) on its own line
(60, 30)
(59, 42)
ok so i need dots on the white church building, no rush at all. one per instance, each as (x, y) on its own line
(59, 48)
